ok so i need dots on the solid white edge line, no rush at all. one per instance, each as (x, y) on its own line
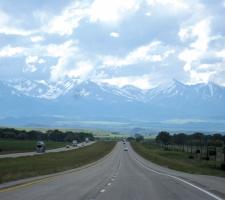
(179, 179)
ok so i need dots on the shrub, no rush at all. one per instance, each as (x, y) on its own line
(166, 149)
(191, 157)
(222, 166)
(205, 158)
(212, 152)
(198, 151)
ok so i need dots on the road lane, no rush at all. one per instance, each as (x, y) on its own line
(121, 175)
(15, 155)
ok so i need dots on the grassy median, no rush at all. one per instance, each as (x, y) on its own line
(178, 160)
(29, 166)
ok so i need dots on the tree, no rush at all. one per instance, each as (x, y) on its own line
(163, 137)
(139, 137)
(180, 139)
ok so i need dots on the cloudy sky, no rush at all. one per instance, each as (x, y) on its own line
(140, 42)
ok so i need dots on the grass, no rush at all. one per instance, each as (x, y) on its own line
(23, 167)
(12, 146)
(178, 160)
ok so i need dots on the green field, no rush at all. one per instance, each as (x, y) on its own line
(13, 146)
(23, 167)
(178, 160)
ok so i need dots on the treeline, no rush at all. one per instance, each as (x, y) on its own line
(197, 138)
(198, 144)
(53, 135)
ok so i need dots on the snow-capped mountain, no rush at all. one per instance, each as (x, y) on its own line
(90, 100)
(41, 88)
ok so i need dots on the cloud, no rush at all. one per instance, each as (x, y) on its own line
(36, 38)
(69, 66)
(142, 82)
(197, 49)
(71, 62)
(31, 62)
(112, 12)
(164, 38)
(8, 27)
(175, 4)
(151, 52)
(114, 34)
(60, 50)
(82, 70)
(68, 20)
(148, 14)
(9, 51)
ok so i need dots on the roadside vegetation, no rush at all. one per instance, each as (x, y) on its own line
(23, 167)
(196, 153)
(14, 140)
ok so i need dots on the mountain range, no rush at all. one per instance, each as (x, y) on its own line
(28, 102)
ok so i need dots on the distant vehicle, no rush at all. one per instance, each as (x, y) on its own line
(75, 143)
(67, 146)
(40, 147)
(125, 149)
(86, 140)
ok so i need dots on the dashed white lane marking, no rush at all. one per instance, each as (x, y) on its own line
(179, 179)
(109, 184)
(103, 190)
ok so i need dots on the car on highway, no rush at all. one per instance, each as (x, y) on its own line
(40, 147)
(125, 149)
(75, 143)
(67, 146)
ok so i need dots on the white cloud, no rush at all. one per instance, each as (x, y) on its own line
(148, 14)
(112, 11)
(145, 53)
(199, 77)
(29, 68)
(175, 4)
(221, 54)
(68, 66)
(7, 26)
(82, 70)
(15, 31)
(31, 59)
(142, 82)
(71, 63)
(9, 51)
(31, 62)
(60, 50)
(69, 19)
(201, 33)
(115, 34)
(36, 38)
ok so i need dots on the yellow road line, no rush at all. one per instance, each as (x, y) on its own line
(25, 185)
(48, 179)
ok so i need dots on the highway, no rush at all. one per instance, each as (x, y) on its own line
(121, 175)
(15, 155)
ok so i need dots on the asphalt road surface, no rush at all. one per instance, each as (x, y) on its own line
(122, 175)
(15, 155)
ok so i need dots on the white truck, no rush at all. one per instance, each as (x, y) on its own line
(74, 143)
